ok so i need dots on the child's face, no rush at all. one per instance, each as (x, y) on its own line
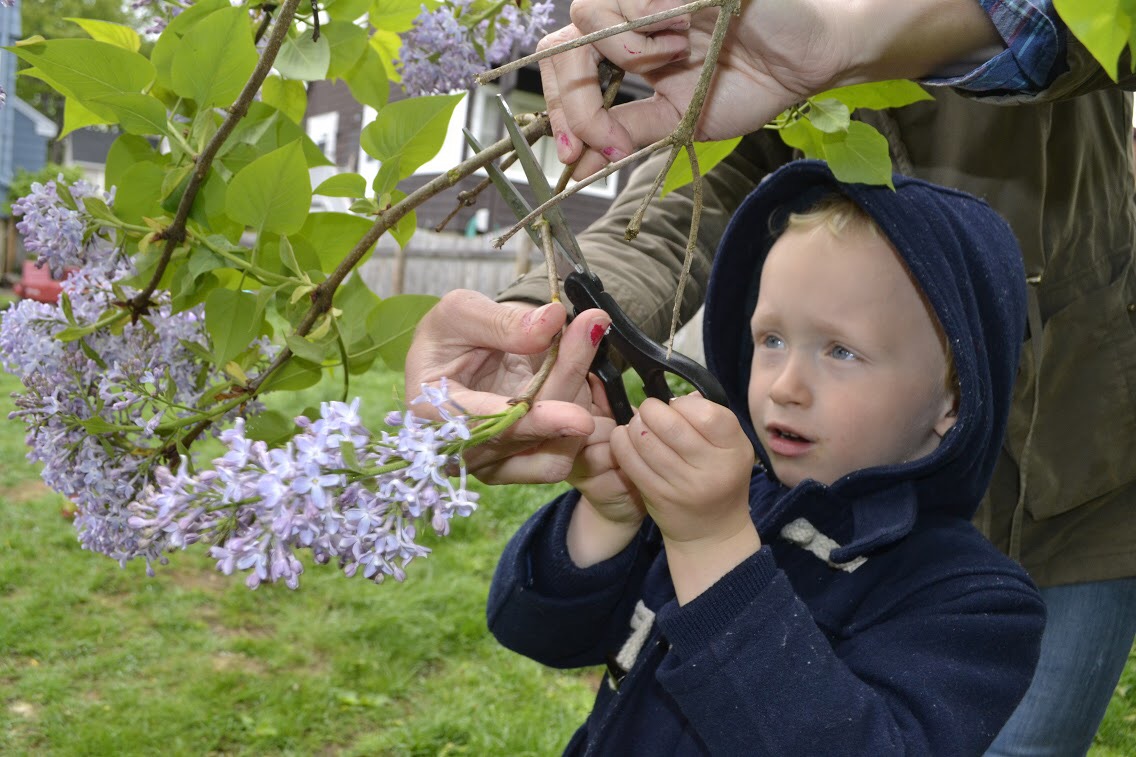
(848, 371)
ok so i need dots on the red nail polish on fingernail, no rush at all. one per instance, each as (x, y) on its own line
(562, 138)
(642, 433)
(612, 153)
(597, 333)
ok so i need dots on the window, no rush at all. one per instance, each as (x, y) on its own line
(323, 128)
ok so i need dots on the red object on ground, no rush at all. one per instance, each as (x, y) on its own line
(37, 284)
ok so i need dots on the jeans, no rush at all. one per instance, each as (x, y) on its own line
(1088, 634)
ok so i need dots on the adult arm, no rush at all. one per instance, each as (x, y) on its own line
(776, 53)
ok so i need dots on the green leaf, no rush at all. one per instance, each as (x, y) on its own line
(287, 96)
(137, 113)
(139, 192)
(357, 301)
(215, 59)
(368, 81)
(880, 95)
(829, 115)
(302, 58)
(77, 116)
(97, 426)
(346, 10)
(342, 185)
(859, 156)
(396, 15)
(169, 42)
(272, 193)
(88, 70)
(805, 137)
(233, 320)
(404, 229)
(392, 325)
(271, 427)
(294, 375)
(114, 34)
(125, 152)
(709, 155)
(96, 208)
(408, 133)
(1102, 26)
(288, 257)
(347, 42)
(330, 236)
(306, 349)
(387, 45)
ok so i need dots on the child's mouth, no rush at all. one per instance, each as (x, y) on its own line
(786, 443)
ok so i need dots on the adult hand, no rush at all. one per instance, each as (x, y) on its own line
(776, 53)
(488, 353)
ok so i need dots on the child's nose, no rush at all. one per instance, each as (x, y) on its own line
(791, 386)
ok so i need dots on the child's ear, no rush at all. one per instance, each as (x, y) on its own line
(948, 416)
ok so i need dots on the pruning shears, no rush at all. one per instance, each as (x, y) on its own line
(585, 290)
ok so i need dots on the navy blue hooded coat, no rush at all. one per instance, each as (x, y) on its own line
(875, 619)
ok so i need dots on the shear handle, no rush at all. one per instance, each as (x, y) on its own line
(647, 357)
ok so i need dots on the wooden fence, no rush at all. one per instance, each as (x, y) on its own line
(437, 263)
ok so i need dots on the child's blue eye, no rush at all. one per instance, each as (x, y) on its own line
(772, 342)
(842, 353)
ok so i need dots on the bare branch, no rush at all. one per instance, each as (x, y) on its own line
(691, 242)
(559, 198)
(588, 39)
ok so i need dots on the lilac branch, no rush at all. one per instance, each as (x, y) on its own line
(175, 234)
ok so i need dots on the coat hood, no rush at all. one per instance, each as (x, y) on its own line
(968, 264)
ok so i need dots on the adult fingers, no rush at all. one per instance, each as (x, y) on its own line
(578, 345)
(640, 50)
(547, 463)
(578, 70)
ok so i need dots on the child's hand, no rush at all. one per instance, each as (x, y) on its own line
(599, 479)
(692, 463)
(610, 511)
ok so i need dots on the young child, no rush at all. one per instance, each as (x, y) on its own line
(835, 599)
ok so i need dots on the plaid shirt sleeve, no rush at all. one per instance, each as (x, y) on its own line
(1034, 55)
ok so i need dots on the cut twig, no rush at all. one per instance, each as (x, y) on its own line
(691, 242)
(637, 218)
(560, 197)
(684, 132)
(588, 39)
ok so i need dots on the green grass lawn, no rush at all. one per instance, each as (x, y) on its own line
(96, 659)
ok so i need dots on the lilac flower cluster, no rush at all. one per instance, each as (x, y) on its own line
(61, 236)
(158, 21)
(447, 47)
(92, 406)
(333, 489)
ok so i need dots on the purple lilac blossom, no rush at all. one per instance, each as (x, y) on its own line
(442, 54)
(259, 505)
(57, 234)
(80, 398)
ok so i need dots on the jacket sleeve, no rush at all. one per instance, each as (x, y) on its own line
(542, 606)
(642, 274)
(939, 674)
(1081, 75)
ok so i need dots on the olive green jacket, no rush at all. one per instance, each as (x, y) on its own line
(1058, 166)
